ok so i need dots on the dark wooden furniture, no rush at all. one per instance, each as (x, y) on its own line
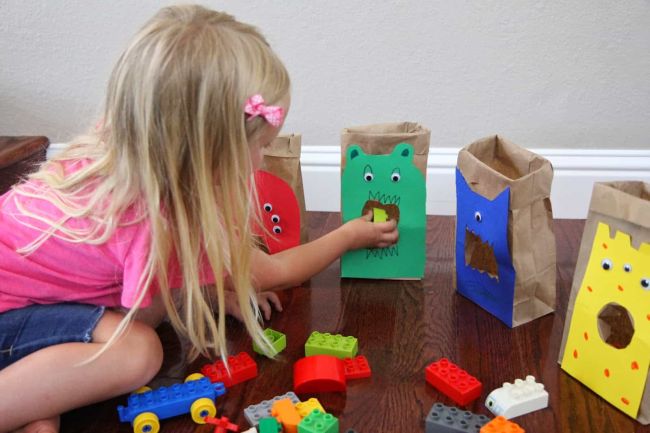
(20, 156)
(402, 326)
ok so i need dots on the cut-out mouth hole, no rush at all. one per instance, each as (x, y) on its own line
(479, 255)
(615, 325)
(392, 210)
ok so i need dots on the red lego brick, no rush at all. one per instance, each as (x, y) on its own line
(502, 425)
(453, 381)
(319, 373)
(242, 368)
(221, 425)
(356, 368)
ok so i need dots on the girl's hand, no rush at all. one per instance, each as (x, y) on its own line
(363, 233)
(265, 300)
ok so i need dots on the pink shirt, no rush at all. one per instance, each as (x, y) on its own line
(60, 271)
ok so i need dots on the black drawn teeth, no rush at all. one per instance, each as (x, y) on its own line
(380, 253)
(384, 198)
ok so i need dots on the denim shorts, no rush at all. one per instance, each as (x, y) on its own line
(28, 329)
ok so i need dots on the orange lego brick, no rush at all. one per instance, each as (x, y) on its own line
(287, 414)
(501, 425)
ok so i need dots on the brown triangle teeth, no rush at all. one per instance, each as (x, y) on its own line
(479, 255)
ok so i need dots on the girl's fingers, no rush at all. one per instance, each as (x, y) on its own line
(266, 308)
(275, 300)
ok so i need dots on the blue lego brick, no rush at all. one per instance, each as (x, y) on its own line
(319, 422)
(255, 412)
(337, 345)
(167, 402)
(269, 425)
(449, 419)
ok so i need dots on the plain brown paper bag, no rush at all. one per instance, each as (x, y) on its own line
(282, 159)
(624, 206)
(489, 166)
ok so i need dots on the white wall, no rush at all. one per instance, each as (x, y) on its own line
(571, 74)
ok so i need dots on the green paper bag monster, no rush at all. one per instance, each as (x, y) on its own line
(393, 188)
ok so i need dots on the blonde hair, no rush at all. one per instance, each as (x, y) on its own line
(174, 142)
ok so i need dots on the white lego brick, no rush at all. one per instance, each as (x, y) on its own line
(518, 398)
(250, 430)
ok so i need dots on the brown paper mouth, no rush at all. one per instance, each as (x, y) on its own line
(615, 325)
(392, 210)
(479, 255)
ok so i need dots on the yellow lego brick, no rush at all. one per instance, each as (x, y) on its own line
(304, 408)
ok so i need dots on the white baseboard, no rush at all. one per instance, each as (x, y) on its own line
(575, 171)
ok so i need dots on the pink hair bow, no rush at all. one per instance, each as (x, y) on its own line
(255, 107)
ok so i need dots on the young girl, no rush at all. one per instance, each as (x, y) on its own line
(158, 197)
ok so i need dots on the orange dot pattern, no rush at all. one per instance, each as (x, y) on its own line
(620, 284)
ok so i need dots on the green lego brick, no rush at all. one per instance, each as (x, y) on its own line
(278, 341)
(328, 344)
(269, 425)
(319, 422)
(379, 215)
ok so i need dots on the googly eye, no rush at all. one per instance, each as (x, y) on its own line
(367, 174)
(395, 175)
(275, 219)
(627, 267)
(645, 283)
(478, 217)
(268, 207)
(606, 264)
(277, 230)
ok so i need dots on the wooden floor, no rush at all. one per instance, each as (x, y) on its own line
(401, 327)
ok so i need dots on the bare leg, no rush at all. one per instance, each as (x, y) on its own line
(48, 382)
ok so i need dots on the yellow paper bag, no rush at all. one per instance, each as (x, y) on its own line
(606, 341)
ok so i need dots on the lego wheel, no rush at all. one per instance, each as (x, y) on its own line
(146, 422)
(194, 376)
(201, 408)
(141, 390)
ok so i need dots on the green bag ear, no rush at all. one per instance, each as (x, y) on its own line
(404, 150)
(353, 151)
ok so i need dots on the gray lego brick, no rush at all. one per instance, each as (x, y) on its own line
(449, 419)
(255, 412)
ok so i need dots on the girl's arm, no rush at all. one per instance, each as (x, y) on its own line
(291, 267)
